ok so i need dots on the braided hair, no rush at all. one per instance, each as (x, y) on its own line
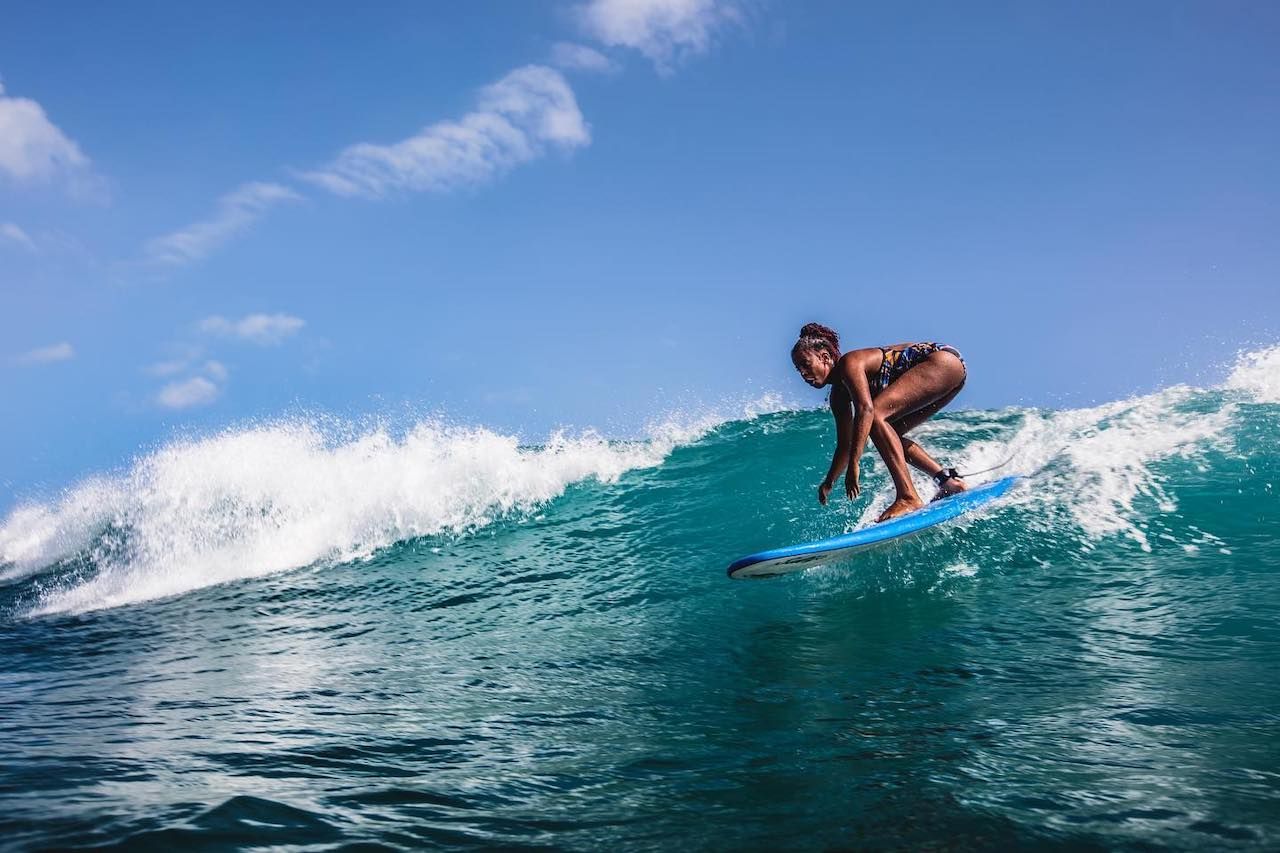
(815, 337)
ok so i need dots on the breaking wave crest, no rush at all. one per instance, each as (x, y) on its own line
(257, 500)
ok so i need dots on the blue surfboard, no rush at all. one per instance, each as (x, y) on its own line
(793, 558)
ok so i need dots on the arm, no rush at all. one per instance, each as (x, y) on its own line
(854, 379)
(839, 401)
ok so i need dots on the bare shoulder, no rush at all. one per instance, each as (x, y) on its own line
(864, 360)
(855, 370)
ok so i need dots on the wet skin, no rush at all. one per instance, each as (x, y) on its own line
(907, 402)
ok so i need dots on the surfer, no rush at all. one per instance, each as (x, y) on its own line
(884, 393)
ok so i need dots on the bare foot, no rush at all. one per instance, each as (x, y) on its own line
(901, 506)
(950, 486)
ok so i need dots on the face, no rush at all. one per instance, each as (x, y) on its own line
(814, 366)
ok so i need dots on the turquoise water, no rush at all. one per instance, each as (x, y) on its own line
(304, 637)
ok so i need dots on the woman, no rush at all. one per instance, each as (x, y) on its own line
(884, 392)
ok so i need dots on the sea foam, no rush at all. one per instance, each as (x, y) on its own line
(262, 499)
(1096, 462)
(1257, 374)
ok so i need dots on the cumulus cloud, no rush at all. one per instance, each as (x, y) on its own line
(579, 57)
(32, 149)
(516, 120)
(47, 355)
(12, 233)
(261, 329)
(196, 391)
(235, 212)
(665, 31)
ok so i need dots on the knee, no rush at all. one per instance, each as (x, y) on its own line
(887, 412)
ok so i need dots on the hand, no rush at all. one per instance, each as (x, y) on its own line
(823, 491)
(851, 486)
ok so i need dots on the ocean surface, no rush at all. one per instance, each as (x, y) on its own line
(308, 636)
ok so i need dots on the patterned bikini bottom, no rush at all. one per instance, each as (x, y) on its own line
(898, 361)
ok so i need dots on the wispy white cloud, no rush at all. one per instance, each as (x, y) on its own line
(180, 357)
(665, 31)
(235, 212)
(196, 391)
(167, 368)
(516, 120)
(195, 379)
(216, 370)
(33, 150)
(12, 233)
(578, 57)
(256, 328)
(52, 243)
(203, 384)
(47, 355)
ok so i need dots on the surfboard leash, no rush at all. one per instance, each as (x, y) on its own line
(947, 473)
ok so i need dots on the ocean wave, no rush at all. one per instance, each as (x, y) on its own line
(266, 498)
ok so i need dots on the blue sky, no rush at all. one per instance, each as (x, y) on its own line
(588, 213)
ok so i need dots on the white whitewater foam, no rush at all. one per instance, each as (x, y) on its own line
(1258, 375)
(264, 499)
(1109, 452)
(36, 535)
(1100, 458)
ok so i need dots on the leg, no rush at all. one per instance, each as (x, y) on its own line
(908, 401)
(914, 453)
(890, 447)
